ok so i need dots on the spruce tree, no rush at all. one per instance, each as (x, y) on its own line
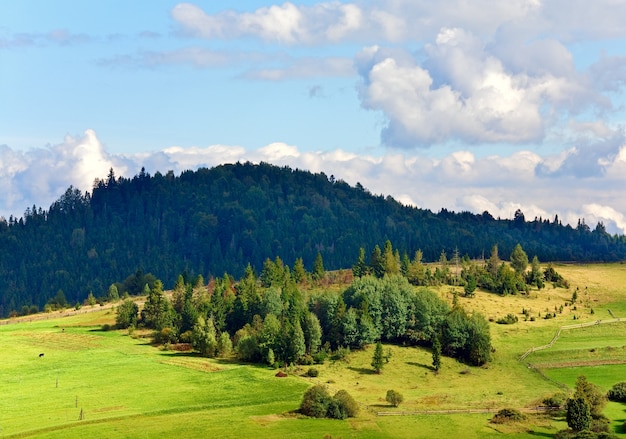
(436, 353)
(378, 361)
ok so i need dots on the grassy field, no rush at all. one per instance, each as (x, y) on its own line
(126, 388)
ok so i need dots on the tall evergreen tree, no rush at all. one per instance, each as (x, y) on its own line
(318, 268)
(378, 360)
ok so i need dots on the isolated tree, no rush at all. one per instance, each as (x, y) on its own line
(394, 398)
(436, 353)
(378, 360)
(519, 259)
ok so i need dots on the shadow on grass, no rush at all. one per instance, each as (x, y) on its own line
(362, 370)
(423, 366)
(539, 434)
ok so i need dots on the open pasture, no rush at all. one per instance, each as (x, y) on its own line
(126, 388)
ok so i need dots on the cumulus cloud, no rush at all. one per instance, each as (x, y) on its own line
(461, 181)
(463, 91)
(286, 24)
(482, 72)
(405, 20)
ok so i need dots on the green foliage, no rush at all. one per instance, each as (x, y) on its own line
(578, 414)
(508, 415)
(592, 395)
(550, 275)
(509, 319)
(318, 268)
(555, 401)
(519, 259)
(378, 360)
(467, 337)
(224, 345)
(315, 402)
(113, 293)
(217, 220)
(126, 314)
(203, 337)
(312, 372)
(617, 392)
(347, 403)
(436, 352)
(157, 312)
(394, 398)
(318, 403)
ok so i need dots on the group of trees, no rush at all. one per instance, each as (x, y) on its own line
(217, 220)
(584, 412)
(492, 274)
(269, 318)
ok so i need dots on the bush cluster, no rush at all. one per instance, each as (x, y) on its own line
(508, 415)
(509, 319)
(617, 392)
(318, 403)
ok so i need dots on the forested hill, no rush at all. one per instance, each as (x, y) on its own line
(218, 220)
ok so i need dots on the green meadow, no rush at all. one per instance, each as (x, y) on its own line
(95, 383)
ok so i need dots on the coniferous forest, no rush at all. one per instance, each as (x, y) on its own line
(214, 221)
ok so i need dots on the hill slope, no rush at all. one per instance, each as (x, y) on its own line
(217, 220)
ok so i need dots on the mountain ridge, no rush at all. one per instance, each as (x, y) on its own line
(216, 220)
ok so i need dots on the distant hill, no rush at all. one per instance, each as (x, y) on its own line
(218, 220)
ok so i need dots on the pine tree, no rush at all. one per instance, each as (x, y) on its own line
(318, 268)
(436, 353)
(378, 360)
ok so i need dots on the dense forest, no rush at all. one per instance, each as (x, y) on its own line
(212, 221)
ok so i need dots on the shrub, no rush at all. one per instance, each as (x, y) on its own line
(617, 392)
(315, 402)
(555, 401)
(312, 372)
(394, 398)
(509, 319)
(340, 354)
(507, 415)
(347, 403)
(320, 357)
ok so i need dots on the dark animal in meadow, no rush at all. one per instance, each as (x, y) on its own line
(41, 355)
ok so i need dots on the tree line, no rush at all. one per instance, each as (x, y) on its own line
(211, 221)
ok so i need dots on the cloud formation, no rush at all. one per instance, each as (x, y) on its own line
(483, 73)
(461, 181)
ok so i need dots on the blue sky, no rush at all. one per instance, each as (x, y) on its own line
(467, 105)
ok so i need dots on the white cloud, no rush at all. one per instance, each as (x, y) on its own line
(285, 24)
(462, 91)
(407, 20)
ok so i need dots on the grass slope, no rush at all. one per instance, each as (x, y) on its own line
(127, 388)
